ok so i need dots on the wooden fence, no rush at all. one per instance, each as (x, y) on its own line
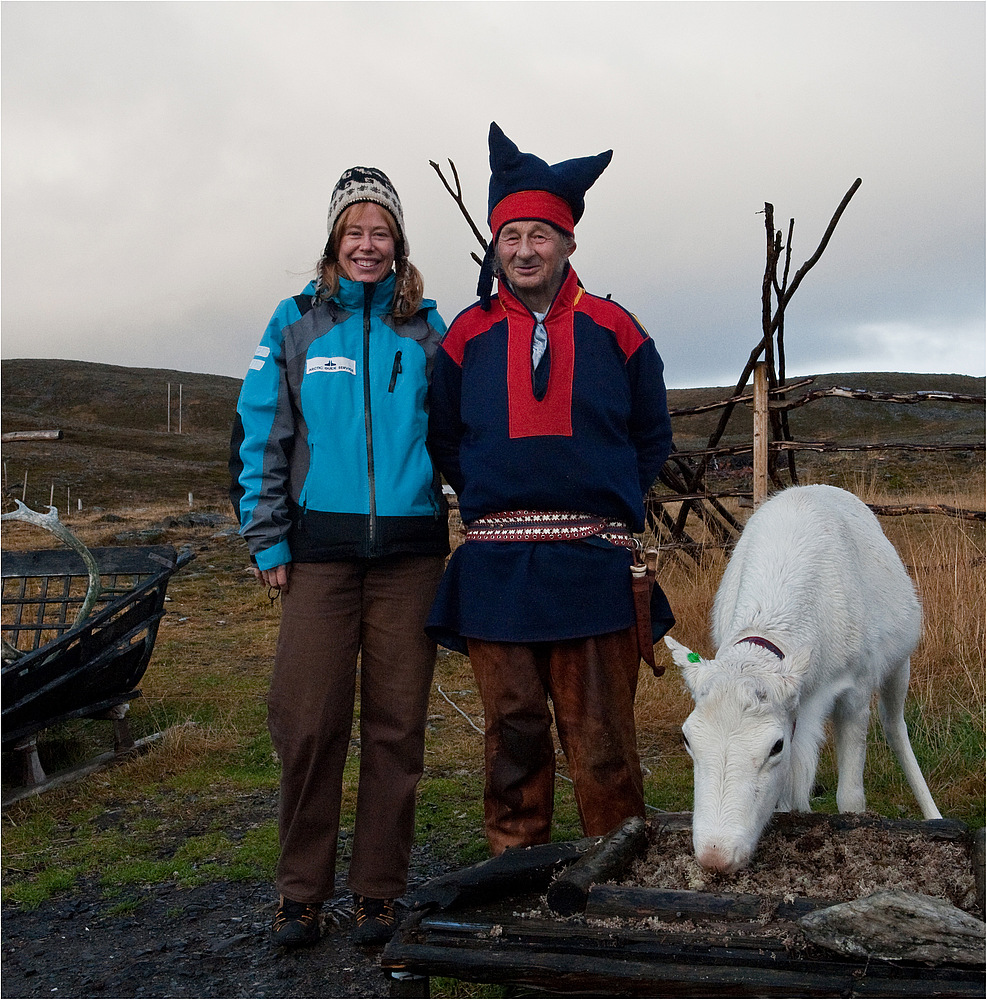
(682, 488)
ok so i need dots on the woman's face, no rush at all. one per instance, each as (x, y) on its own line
(366, 244)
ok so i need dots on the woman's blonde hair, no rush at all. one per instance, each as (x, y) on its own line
(409, 287)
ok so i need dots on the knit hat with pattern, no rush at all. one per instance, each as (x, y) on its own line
(361, 184)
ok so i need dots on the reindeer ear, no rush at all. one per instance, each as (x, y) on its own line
(682, 655)
(687, 661)
(793, 669)
(797, 663)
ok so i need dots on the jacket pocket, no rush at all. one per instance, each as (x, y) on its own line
(395, 371)
(306, 486)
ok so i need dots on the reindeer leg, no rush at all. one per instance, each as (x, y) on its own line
(851, 720)
(891, 708)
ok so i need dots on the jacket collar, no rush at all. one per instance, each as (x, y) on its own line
(351, 294)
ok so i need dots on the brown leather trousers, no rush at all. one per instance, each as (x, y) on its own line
(592, 683)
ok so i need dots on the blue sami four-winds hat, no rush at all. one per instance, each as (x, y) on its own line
(524, 186)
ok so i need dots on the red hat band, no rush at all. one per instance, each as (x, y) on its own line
(532, 205)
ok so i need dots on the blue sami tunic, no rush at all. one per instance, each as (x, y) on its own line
(589, 434)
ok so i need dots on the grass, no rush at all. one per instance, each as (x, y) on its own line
(200, 804)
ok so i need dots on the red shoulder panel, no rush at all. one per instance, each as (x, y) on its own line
(627, 331)
(469, 324)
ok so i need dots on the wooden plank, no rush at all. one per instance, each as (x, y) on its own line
(9, 436)
(98, 763)
(142, 559)
(668, 972)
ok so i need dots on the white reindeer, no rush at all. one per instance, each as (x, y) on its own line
(814, 614)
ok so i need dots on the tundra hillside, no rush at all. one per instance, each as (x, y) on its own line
(199, 806)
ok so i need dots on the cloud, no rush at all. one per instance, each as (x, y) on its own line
(167, 167)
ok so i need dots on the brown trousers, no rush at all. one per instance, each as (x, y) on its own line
(332, 612)
(592, 683)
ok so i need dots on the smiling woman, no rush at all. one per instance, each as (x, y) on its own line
(342, 512)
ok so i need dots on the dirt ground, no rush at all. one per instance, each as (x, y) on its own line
(209, 941)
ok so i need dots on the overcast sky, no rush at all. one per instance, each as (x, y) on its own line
(166, 167)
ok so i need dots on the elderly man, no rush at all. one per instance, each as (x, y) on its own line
(548, 418)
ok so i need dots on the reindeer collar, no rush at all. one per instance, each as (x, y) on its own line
(763, 643)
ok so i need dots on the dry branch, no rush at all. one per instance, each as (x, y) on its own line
(457, 197)
(873, 395)
(686, 411)
(883, 446)
(718, 495)
(773, 325)
(893, 510)
(814, 259)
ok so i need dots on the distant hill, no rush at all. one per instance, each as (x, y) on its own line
(75, 394)
(79, 394)
(117, 447)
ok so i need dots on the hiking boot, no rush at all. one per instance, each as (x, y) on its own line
(375, 920)
(296, 925)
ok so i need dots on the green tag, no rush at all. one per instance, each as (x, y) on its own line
(694, 658)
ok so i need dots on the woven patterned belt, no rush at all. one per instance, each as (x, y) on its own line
(547, 526)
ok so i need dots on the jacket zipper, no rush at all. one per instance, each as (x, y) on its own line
(395, 371)
(368, 297)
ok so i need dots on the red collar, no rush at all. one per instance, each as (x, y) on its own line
(763, 643)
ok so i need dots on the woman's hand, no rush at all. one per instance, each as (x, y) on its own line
(276, 577)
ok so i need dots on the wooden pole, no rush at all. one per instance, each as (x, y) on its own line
(169, 408)
(760, 433)
(568, 893)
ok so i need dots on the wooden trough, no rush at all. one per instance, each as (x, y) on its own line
(559, 919)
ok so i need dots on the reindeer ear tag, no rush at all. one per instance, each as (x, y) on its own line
(694, 658)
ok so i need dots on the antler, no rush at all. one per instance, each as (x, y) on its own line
(51, 523)
(457, 197)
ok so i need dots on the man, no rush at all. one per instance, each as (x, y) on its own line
(548, 418)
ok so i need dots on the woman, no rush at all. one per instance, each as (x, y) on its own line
(343, 514)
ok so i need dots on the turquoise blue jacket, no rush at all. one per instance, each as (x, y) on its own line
(328, 457)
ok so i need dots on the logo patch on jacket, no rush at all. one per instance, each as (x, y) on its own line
(260, 356)
(330, 365)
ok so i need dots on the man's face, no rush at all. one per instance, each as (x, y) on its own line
(532, 256)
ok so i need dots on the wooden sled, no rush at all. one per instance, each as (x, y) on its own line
(63, 669)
